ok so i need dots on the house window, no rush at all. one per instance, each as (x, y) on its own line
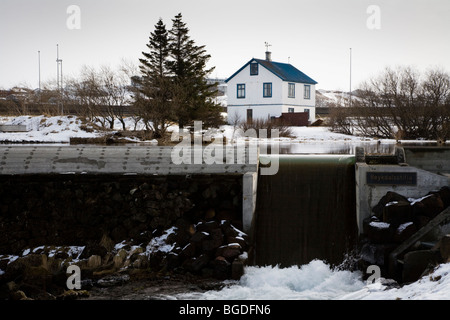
(291, 110)
(241, 91)
(307, 94)
(291, 90)
(254, 69)
(267, 90)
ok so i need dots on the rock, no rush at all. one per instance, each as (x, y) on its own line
(210, 214)
(188, 251)
(198, 237)
(377, 231)
(141, 262)
(214, 241)
(221, 268)
(397, 212)
(207, 226)
(237, 269)
(376, 253)
(421, 220)
(173, 260)
(113, 280)
(93, 249)
(429, 206)
(389, 197)
(195, 264)
(444, 248)
(229, 251)
(416, 262)
(23, 266)
(19, 295)
(242, 242)
(444, 194)
(404, 231)
(73, 294)
(119, 258)
(94, 262)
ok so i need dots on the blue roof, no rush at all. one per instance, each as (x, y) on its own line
(284, 71)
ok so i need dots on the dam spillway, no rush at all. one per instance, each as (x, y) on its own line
(306, 211)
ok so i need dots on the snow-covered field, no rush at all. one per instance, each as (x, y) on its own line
(47, 129)
(59, 129)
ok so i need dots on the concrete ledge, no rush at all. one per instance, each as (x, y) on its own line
(118, 160)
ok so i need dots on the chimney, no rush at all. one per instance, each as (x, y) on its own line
(268, 56)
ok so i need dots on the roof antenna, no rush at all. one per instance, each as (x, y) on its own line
(268, 53)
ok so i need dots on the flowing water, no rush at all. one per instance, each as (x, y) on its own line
(306, 211)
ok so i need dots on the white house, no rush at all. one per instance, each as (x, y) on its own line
(265, 89)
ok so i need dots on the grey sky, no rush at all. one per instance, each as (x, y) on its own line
(314, 35)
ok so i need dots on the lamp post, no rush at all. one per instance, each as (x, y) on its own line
(59, 78)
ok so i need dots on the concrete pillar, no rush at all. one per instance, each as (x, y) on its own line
(249, 191)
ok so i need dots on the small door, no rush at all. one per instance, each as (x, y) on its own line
(249, 115)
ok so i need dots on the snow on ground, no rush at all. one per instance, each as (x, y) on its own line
(59, 129)
(47, 129)
(318, 281)
(435, 286)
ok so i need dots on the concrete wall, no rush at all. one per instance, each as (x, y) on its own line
(369, 195)
(434, 159)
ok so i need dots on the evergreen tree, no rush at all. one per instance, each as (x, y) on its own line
(154, 98)
(188, 67)
(173, 84)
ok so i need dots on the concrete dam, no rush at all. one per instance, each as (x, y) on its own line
(312, 208)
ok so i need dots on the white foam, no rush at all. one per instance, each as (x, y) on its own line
(315, 280)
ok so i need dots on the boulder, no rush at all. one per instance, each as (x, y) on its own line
(188, 251)
(214, 241)
(444, 248)
(404, 231)
(376, 253)
(94, 262)
(429, 206)
(444, 194)
(230, 251)
(221, 268)
(389, 197)
(196, 264)
(415, 263)
(237, 269)
(377, 231)
(397, 212)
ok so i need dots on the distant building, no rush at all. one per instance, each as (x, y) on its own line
(263, 89)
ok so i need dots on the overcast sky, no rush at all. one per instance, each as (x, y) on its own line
(315, 36)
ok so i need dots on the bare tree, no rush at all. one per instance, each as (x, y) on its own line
(401, 103)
